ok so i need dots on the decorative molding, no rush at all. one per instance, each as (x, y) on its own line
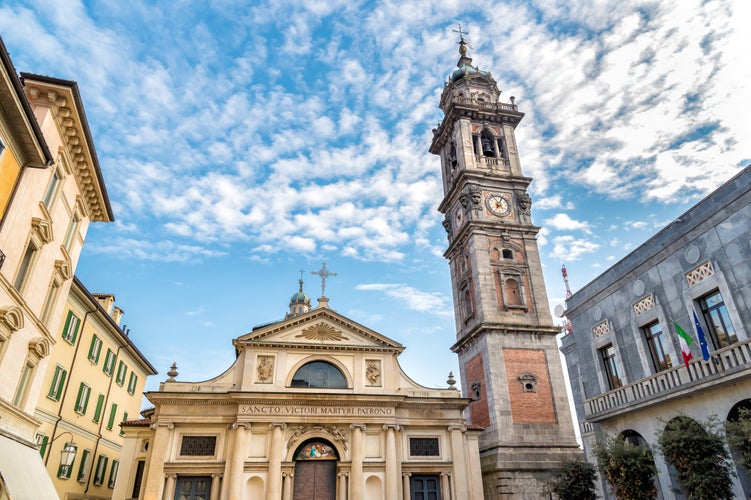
(11, 319)
(394, 427)
(265, 369)
(700, 273)
(168, 425)
(601, 329)
(644, 304)
(528, 382)
(322, 332)
(41, 231)
(373, 372)
(236, 425)
(328, 432)
(38, 348)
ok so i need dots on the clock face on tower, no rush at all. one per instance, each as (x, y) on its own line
(498, 204)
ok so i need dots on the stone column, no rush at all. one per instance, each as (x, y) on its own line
(342, 488)
(392, 464)
(358, 453)
(274, 488)
(216, 479)
(474, 476)
(405, 485)
(446, 486)
(237, 460)
(154, 487)
(169, 488)
(460, 461)
(287, 485)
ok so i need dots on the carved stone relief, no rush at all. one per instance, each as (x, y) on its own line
(265, 369)
(373, 372)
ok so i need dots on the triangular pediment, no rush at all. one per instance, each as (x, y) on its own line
(319, 328)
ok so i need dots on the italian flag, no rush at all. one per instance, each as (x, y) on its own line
(686, 341)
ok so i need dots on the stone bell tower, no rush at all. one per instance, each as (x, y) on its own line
(508, 355)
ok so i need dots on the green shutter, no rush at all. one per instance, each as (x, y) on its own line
(60, 384)
(99, 405)
(55, 379)
(101, 467)
(43, 445)
(132, 383)
(70, 331)
(82, 468)
(113, 412)
(77, 408)
(122, 432)
(113, 473)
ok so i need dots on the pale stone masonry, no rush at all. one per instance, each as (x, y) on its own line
(624, 358)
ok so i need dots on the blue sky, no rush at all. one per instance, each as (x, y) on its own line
(244, 141)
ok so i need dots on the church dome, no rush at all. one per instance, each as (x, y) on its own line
(468, 70)
(299, 298)
(299, 303)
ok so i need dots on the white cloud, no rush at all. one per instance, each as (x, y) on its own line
(563, 222)
(411, 298)
(569, 248)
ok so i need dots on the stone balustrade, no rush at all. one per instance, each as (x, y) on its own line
(724, 365)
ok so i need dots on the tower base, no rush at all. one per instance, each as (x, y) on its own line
(523, 473)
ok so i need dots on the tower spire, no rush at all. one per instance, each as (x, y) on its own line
(463, 59)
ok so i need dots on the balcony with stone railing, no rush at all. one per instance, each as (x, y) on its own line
(724, 366)
(492, 163)
(490, 106)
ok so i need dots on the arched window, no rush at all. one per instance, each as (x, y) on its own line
(319, 375)
(488, 144)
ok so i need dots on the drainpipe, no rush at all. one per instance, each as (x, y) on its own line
(67, 383)
(101, 422)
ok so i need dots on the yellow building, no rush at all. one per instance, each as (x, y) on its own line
(94, 381)
(51, 188)
(315, 406)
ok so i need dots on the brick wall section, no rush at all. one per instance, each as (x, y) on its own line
(529, 407)
(478, 409)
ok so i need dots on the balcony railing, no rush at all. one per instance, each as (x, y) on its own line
(492, 106)
(492, 163)
(726, 363)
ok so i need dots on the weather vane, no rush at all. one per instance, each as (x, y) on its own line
(323, 273)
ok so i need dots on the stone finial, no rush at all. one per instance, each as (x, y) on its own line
(172, 372)
(451, 381)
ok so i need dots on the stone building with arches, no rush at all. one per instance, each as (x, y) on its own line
(315, 406)
(623, 355)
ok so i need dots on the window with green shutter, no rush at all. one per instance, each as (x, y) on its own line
(95, 349)
(70, 331)
(101, 467)
(122, 370)
(109, 363)
(99, 407)
(132, 383)
(42, 441)
(82, 400)
(125, 419)
(113, 413)
(58, 382)
(83, 468)
(113, 474)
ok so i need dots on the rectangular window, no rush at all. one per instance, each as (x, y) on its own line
(22, 390)
(101, 468)
(125, 418)
(70, 330)
(99, 407)
(83, 468)
(122, 370)
(50, 301)
(25, 266)
(49, 195)
(656, 344)
(58, 382)
(607, 354)
(113, 474)
(423, 447)
(132, 383)
(42, 441)
(198, 446)
(71, 233)
(718, 320)
(109, 363)
(95, 349)
(63, 471)
(82, 400)
(140, 466)
(113, 413)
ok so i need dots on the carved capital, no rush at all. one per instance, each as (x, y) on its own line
(281, 425)
(236, 425)
(457, 427)
(393, 427)
(362, 427)
(217, 475)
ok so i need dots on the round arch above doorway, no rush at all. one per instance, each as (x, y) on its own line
(316, 462)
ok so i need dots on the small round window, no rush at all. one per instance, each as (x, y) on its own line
(319, 375)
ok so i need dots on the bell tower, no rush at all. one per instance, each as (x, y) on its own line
(506, 340)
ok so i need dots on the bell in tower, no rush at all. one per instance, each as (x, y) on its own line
(505, 335)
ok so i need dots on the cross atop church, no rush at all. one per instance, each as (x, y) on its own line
(461, 33)
(323, 273)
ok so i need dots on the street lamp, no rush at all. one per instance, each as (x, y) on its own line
(67, 456)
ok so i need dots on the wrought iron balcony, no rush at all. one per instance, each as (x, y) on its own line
(724, 365)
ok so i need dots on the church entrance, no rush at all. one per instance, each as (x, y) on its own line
(315, 471)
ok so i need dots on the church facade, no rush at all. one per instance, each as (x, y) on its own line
(315, 406)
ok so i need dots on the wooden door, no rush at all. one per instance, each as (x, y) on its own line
(315, 480)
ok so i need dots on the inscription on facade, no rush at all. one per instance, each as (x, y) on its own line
(262, 409)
